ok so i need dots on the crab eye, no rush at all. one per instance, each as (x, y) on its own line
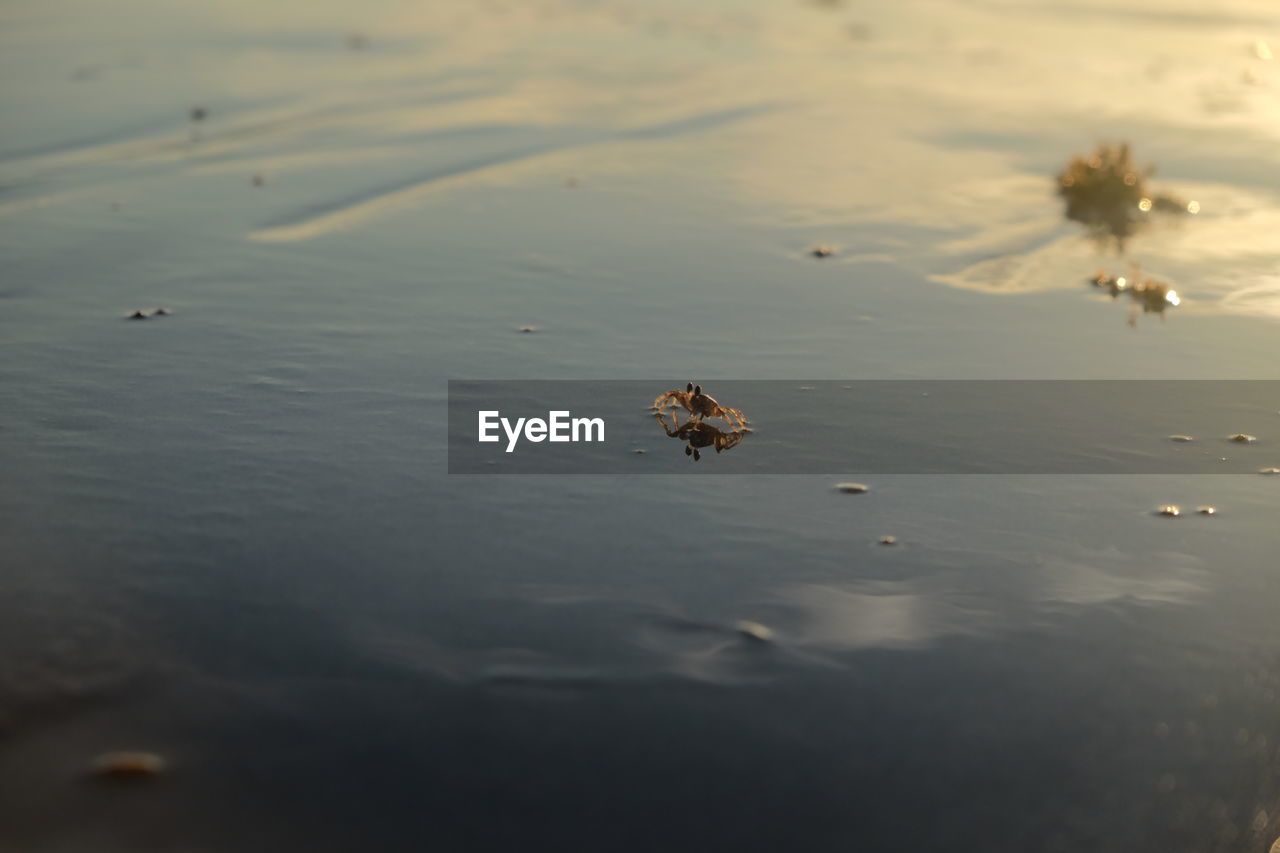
(697, 389)
(688, 451)
(689, 387)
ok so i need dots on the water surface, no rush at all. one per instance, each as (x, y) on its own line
(229, 534)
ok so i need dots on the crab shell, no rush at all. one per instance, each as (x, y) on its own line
(703, 403)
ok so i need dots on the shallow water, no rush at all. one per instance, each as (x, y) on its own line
(230, 538)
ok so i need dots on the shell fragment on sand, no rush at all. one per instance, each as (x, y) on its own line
(128, 765)
(754, 631)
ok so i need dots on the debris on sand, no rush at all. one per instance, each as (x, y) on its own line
(128, 765)
(822, 251)
(887, 540)
(1242, 438)
(1207, 510)
(143, 315)
(853, 488)
(1169, 511)
(1155, 296)
(754, 631)
(1152, 296)
(1107, 193)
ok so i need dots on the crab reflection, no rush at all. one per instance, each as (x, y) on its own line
(698, 434)
(1107, 193)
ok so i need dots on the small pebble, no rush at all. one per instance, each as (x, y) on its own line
(128, 765)
(888, 540)
(137, 315)
(1169, 510)
(853, 488)
(822, 251)
(1207, 510)
(1242, 438)
(161, 312)
(528, 329)
(199, 113)
(755, 631)
(639, 450)
(258, 180)
(1181, 438)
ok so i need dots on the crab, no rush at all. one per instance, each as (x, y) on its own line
(698, 434)
(699, 406)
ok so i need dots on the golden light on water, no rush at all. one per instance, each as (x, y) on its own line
(1144, 205)
(1193, 207)
(1172, 298)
